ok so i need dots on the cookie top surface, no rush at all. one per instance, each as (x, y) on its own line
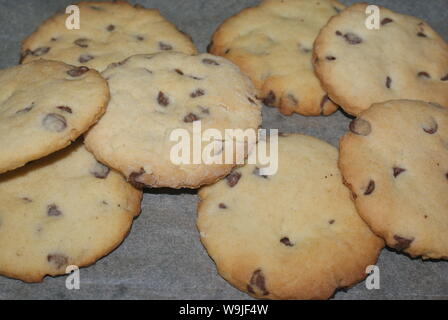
(153, 95)
(404, 59)
(292, 235)
(272, 43)
(65, 209)
(109, 32)
(44, 105)
(395, 161)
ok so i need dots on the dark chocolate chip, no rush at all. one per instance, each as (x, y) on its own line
(331, 221)
(191, 117)
(162, 99)
(25, 110)
(53, 210)
(222, 206)
(227, 51)
(388, 82)
(352, 38)
(110, 27)
(179, 71)
(65, 109)
(197, 93)
(424, 74)
(82, 42)
(85, 58)
(54, 122)
(233, 178)
(257, 281)
(422, 35)
(370, 188)
(338, 33)
(386, 21)
(402, 243)
(397, 171)
(257, 173)
(286, 242)
(100, 171)
(269, 100)
(57, 260)
(210, 62)
(140, 38)
(330, 58)
(360, 127)
(134, 176)
(78, 71)
(445, 78)
(164, 46)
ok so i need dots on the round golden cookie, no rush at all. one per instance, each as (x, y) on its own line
(395, 161)
(404, 59)
(44, 106)
(109, 32)
(155, 96)
(62, 210)
(272, 43)
(292, 235)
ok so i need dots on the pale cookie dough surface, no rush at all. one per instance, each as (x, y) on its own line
(44, 106)
(395, 161)
(109, 32)
(292, 235)
(66, 209)
(153, 95)
(404, 59)
(273, 43)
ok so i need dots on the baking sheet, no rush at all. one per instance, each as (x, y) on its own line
(163, 258)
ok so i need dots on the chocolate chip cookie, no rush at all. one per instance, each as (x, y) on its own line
(292, 235)
(109, 32)
(273, 43)
(66, 209)
(155, 96)
(395, 161)
(44, 106)
(404, 59)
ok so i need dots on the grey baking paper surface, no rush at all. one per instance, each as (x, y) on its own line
(162, 258)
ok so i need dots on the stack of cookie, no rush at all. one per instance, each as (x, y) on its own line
(87, 122)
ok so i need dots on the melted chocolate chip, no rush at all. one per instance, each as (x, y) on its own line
(78, 71)
(338, 33)
(388, 82)
(424, 74)
(233, 178)
(57, 260)
(286, 242)
(81, 42)
(222, 206)
(330, 58)
(134, 176)
(164, 46)
(445, 78)
(100, 171)
(54, 122)
(370, 188)
(53, 211)
(210, 62)
(402, 243)
(65, 109)
(331, 221)
(162, 99)
(257, 173)
(110, 28)
(85, 58)
(179, 71)
(197, 93)
(422, 35)
(26, 109)
(360, 127)
(258, 282)
(191, 117)
(386, 21)
(352, 38)
(269, 100)
(397, 171)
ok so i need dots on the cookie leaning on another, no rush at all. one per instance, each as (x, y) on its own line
(109, 32)
(395, 161)
(292, 235)
(273, 43)
(153, 95)
(66, 209)
(44, 106)
(404, 59)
